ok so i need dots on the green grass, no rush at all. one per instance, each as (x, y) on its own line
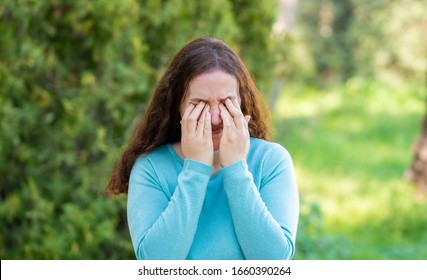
(351, 146)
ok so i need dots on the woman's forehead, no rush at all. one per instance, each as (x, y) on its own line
(216, 84)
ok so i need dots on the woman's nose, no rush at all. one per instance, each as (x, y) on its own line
(215, 115)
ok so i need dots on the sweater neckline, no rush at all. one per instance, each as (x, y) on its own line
(174, 153)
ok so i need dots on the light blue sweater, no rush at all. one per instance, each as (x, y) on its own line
(248, 210)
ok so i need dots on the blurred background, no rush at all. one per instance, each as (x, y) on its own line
(345, 81)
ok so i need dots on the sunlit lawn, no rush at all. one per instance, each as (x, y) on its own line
(351, 146)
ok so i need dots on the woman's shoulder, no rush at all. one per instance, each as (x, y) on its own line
(267, 148)
(158, 163)
(268, 154)
(160, 154)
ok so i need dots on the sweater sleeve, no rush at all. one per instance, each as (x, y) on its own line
(162, 227)
(265, 219)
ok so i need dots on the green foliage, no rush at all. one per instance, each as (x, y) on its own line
(74, 75)
(351, 146)
(336, 40)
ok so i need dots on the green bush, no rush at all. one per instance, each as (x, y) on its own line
(74, 76)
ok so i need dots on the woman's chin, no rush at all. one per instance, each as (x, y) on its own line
(215, 144)
(216, 139)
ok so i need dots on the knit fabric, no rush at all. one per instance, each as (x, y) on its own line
(248, 210)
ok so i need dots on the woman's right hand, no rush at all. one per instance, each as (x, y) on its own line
(196, 133)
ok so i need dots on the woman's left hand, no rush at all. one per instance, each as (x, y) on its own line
(234, 144)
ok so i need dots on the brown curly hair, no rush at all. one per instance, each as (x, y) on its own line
(161, 124)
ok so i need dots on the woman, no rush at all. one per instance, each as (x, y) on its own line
(201, 178)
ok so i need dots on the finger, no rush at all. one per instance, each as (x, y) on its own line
(227, 120)
(236, 114)
(183, 122)
(208, 125)
(247, 118)
(233, 108)
(188, 110)
(201, 122)
(194, 116)
(226, 112)
(236, 103)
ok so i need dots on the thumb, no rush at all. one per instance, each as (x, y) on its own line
(247, 118)
(208, 125)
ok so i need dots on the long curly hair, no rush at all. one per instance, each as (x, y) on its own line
(161, 123)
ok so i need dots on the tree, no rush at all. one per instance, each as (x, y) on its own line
(74, 76)
(417, 172)
(373, 40)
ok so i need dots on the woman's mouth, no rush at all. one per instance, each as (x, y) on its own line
(216, 130)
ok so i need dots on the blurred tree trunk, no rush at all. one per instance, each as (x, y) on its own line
(285, 21)
(417, 172)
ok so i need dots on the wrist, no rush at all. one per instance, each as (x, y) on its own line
(201, 160)
(196, 165)
(233, 169)
(227, 163)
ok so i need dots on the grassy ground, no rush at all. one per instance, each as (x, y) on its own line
(351, 146)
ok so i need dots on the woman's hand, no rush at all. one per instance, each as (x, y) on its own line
(196, 133)
(234, 144)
